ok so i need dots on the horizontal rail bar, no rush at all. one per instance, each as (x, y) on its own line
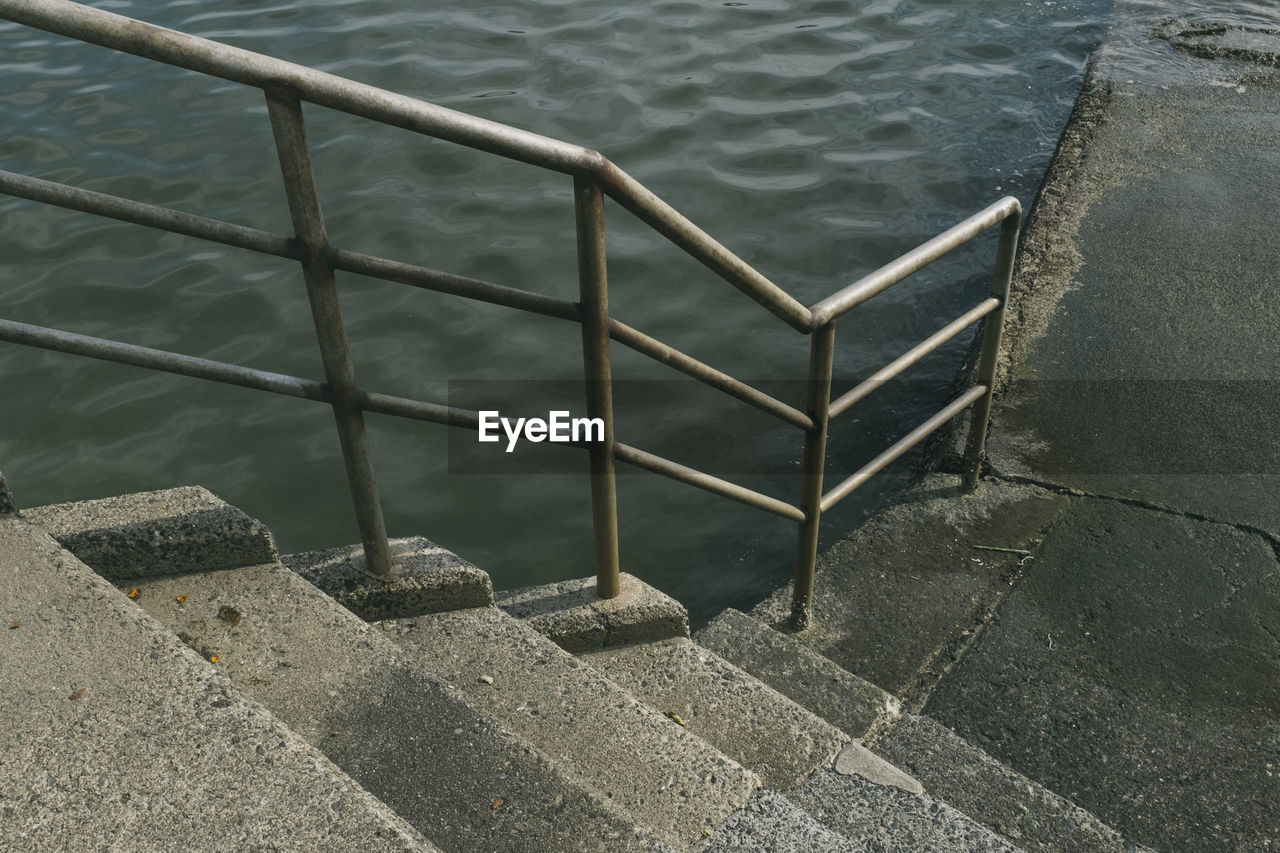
(403, 407)
(875, 466)
(926, 253)
(912, 356)
(456, 285)
(242, 66)
(229, 374)
(153, 216)
(670, 223)
(715, 485)
(668, 355)
(227, 233)
(157, 359)
(230, 234)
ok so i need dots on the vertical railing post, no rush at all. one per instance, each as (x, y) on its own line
(594, 295)
(308, 223)
(821, 354)
(992, 327)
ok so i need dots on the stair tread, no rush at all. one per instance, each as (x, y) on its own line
(466, 782)
(890, 820)
(588, 724)
(987, 790)
(740, 715)
(770, 821)
(848, 702)
(948, 766)
(158, 748)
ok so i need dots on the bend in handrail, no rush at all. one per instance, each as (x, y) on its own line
(850, 297)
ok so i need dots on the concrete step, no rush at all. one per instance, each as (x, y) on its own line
(735, 712)
(462, 779)
(900, 597)
(572, 615)
(786, 664)
(803, 756)
(187, 529)
(985, 789)
(889, 820)
(771, 822)
(425, 579)
(116, 735)
(948, 767)
(658, 772)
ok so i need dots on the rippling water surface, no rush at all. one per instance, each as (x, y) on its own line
(815, 139)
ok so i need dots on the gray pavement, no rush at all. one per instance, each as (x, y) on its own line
(1130, 659)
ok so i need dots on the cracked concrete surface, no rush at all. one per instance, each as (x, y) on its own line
(1134, 667)
(1132, 664)
(1136, 671)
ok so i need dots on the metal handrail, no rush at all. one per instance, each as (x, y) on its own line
(287, 85)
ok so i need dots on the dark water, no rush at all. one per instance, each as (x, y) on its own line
(816, 139)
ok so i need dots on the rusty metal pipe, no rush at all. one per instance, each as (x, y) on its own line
(702, 480)
(150, 215)
(287, 126)
(594, 290)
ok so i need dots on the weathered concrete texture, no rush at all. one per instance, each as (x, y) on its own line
(888, 820)
(187, 529)
(894, 597)
(770, 822)
(1155, 378)
(578, 620)
(735, 712)
(789, 666)
(465, 782)
(117, 737)
(1136, 671)
(7, 504)
(965, 777)
(949, 767)
(425, 578)
(581, 720)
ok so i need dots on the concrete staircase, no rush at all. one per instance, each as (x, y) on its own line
(421, 715)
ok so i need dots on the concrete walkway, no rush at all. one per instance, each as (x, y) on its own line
(1129, 658)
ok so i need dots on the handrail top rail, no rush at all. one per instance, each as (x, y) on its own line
(173, 47)
(216, 59)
